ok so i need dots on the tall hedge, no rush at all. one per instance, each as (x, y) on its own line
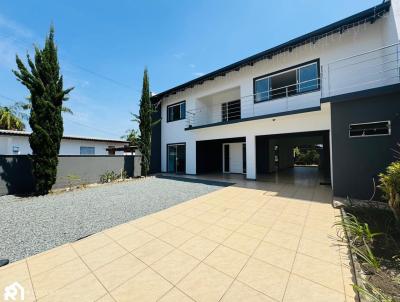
(47, 94)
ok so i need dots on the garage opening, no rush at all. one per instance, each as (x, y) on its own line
(297, 158)
(221, 156)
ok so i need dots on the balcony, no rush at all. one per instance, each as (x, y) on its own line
(372, 69)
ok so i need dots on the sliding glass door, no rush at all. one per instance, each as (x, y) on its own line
(176, 158)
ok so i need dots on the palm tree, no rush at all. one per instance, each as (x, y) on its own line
(11, 118)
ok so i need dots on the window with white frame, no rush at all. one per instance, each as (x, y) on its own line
(370, 129)
(87, 150)
(296, 80)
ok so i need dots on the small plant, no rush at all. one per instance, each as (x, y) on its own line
(359, 232)
(72, 179)
(390, 185)
(372, 293)
(367, 257)
(108, 176)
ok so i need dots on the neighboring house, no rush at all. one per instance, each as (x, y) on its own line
(336, 87)
(17, 143)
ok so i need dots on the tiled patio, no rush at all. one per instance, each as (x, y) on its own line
(263, 242)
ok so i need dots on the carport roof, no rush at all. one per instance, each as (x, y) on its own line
(369, 15)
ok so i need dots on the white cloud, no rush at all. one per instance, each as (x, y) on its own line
(179, 55)
(192, 65)
(15, 28)
(198, 74)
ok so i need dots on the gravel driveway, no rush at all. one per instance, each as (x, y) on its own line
(35, 224)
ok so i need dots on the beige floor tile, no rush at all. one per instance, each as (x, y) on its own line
(193, 212)
(226, 260)
(265, 278)
(103, 255)
(216, 233)
(152, 251)
(118, 271)
(325, 236)
(198, 247)
(323, 251)
(322, 272)
(91, 243)
(144, 222)
(86, 289)
(106, 298)
(14, 272)
(205, 284)
(159, 228)
(120, 231)
(48, 282)
(177, 220)
(252, 230)
(282, 239)
(240, 215)
(135, 240)
(292, 218)
(241, 243)
(194, 226)
(209, 218)
(240, 292)
(176, 237)
(145, 286)
(175, 266)
(229, 223)
(302, 290)
(262, 220)
(287, 227)
(43, 262)
(275, 255)
(175, 295)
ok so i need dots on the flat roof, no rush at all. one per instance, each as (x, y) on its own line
(83, 138)
(368, 15)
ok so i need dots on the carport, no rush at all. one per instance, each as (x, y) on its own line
(298, 158)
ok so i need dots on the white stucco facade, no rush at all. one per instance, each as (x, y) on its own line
(364, 48)
(13, 144)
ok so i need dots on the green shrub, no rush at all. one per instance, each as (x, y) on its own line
(390, 185)
(110, 176)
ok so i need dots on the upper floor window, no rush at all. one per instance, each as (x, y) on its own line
(300, 79)
(176, 112)
(87, 150)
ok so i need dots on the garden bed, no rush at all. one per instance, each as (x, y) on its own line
(374, 237)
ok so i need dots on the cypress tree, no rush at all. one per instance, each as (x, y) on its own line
(145, 124)
(47, 94)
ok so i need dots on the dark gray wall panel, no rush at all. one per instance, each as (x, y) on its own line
(356, 161)
(155, 160)
(16, 171)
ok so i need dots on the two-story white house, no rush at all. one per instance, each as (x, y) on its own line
(337, 88)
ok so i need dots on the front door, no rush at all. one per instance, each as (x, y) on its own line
(176, 158)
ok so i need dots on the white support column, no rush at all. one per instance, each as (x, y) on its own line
(190, 156)
(251, 157)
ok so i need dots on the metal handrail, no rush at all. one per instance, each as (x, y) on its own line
(367, 71)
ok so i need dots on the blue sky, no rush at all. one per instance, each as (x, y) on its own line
(104, 46)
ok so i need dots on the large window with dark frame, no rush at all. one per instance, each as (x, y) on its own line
(300, 79)
(176, 112)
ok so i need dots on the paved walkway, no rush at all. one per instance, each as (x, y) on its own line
(271, 242)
